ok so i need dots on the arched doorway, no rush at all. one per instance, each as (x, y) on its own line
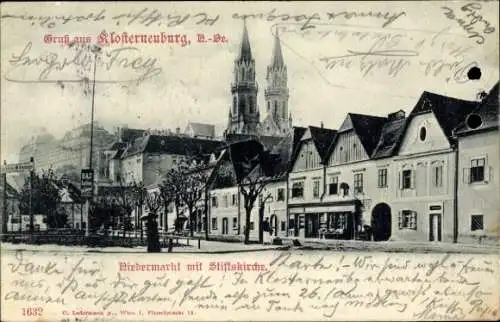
(274, 224)
(381, 222)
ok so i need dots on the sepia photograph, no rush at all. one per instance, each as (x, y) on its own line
(250, 161)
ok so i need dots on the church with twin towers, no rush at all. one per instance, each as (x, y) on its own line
(244, 113)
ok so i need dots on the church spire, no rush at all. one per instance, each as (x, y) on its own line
(277, 59)
(246, 52)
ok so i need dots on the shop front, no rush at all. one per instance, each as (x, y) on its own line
(329, 221)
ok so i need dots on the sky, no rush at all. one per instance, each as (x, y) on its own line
(361, 57)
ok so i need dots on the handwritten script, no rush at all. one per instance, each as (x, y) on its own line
(319, 286)
(79, 60)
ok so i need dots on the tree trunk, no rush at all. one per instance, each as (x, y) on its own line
(191, 224)
(124, 226)
(247, 225)
(141, 223)
(165, 217)
(261, 221)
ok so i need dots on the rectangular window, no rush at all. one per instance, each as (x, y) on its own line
(408, 219)
(476, 222)
(333, 186)
(406, 180)
(382, 178)
(316, 188)
(235, 223)
(477, 170)
(438, 176)
(283, 225)
(291, 223)
(297, 190)
(233, 200)
(214, 202)
(358, 183)
(281, 194)
(214, 223)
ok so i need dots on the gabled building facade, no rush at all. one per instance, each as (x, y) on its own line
(350, 176)
(423, 204)
(306, 183)
(478, 206)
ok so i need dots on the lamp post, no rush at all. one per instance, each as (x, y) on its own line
(95, 50)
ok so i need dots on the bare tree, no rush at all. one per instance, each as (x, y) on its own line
(153, 202)
(167, 196)
(189, 186)
(126, 199)
(251, 187)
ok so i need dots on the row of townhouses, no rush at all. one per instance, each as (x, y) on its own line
(429, 176)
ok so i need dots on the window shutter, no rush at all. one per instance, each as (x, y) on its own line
(466, 175)
(486, 170)
(400, 220)
(400, 178)
(490, 174)
(413, 178)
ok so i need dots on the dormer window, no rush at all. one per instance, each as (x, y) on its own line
(423, 133)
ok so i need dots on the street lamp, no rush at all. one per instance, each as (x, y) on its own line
(94, 49)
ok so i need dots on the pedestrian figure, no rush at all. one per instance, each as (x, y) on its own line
(153, 240)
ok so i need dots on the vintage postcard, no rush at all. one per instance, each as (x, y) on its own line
(250, 161)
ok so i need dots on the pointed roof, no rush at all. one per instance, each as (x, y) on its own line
(277, 59)
(449, 111)
(368, 128)
(246, 52)
(391, 135)
(322, 139)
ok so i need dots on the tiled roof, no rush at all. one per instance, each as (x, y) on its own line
(487, 110)
(245, 156)
(449, 112)
(172, 144)
(323, 139)
(267, 141)
(391, 134)
(368, 129)
(203, 129)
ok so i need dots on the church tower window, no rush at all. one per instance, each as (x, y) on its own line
(252, 105)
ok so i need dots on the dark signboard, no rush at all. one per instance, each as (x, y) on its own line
(87, 179)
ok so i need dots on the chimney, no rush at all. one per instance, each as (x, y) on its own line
(481, 95)
(322, 124)
(396, 115)
(177, 130)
